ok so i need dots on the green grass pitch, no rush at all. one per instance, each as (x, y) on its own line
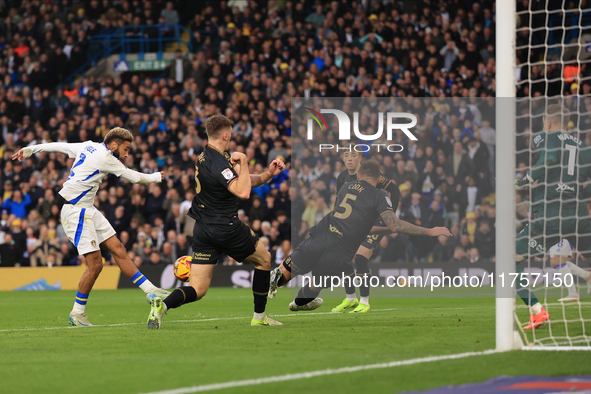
(211, 341)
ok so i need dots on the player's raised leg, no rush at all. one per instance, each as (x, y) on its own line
(307, 299)
(261, 259)
(280, 276)
(113, 245)
(199, 282)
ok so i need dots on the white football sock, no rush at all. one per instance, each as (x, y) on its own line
(350, 297)
(564, 271)
(78, 308)
(259, 316)
(148, 287)
(364, 300)
(575, 269)
(536, 309)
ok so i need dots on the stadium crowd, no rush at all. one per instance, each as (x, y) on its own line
(249, 59)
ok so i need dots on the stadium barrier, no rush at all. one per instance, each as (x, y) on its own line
(54, 278)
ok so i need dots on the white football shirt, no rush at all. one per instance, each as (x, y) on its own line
(93, 162)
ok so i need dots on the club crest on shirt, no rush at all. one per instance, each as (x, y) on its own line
(228, 174)
(93, 243)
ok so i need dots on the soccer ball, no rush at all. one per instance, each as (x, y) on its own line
(182, 268)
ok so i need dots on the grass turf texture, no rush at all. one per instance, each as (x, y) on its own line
(132, 359)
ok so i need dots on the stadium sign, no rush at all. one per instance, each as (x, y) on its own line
(345, 129)
(140, 65)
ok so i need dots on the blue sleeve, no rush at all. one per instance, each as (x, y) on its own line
(7, 204)
(26, 199)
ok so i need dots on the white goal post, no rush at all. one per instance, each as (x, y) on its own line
(505, 334)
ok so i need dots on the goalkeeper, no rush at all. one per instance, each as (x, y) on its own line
(563, 165)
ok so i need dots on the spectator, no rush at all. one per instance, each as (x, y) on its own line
(9, 253)
(169, 14)
(441, 250)
(17, 204)
(180, 67)
(484, 240)
(458, 164)
(167, 253)
(46, 252)
(459, 257)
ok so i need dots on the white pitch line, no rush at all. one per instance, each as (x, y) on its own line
(222, 318)
(322, 372)
(186, 321)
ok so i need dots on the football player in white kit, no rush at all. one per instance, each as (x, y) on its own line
(561, 258)
(84, 225)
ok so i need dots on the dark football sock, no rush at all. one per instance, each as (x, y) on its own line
(362, 269)
(260, 289)
(306, 295)
(528, 296)
(349, 274)
(180, 296)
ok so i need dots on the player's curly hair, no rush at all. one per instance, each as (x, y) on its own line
(119, 135)
(216, 123)
(559, 114)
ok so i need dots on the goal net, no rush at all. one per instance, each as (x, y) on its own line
(552, 89)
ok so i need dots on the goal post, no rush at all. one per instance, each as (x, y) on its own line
(505, 334)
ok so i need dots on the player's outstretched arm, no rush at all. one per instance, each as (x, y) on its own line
(70, 149)
(275, 168)
(402, 227)
(240, 186)
(138, 177)
(113, 166)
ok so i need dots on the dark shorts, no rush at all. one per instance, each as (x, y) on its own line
(211, 241)
(544, 232)
(313, 255)
(372, 242)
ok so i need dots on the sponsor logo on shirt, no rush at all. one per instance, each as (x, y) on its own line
(335, 230)
(562, 187)
(389, 201)
(535, 245)
(228, 174)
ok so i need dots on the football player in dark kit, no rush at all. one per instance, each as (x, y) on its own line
(350, 304)
(221, 180)
(334, 241)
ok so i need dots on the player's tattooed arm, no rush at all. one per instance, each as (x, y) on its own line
(399, 226)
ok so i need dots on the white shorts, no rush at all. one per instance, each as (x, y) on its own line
(86, 228)
(563, 248)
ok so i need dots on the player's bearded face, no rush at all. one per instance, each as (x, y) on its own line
(121, 152)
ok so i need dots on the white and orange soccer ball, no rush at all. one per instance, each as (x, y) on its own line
(182, 268)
